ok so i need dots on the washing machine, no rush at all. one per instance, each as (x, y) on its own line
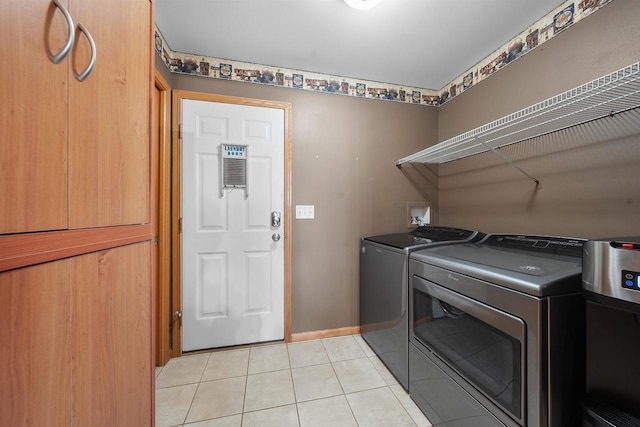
(384, 291)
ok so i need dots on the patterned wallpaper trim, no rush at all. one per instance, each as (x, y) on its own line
(561, 18)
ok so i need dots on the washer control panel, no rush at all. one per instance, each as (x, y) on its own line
(631, 280)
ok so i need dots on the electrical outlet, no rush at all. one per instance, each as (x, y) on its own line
(305, 211)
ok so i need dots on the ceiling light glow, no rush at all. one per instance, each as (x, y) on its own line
(362, 4)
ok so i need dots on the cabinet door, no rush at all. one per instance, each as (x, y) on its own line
(111, 337)
(33, 123)
(35, 364)
(110, 115)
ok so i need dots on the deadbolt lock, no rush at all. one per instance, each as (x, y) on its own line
(275, 219)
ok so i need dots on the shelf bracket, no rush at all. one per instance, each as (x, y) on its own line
(507, 160)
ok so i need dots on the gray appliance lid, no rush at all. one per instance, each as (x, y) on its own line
(535, 265)
(425, 236)
(627, 242)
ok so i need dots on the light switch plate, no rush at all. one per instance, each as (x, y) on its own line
(305, 211)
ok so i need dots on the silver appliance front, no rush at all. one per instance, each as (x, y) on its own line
(383, 306)
(384, 294)
(468, 361)
(611, 284)
(612, 272)
(505, 330)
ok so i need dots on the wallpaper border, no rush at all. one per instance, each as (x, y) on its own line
(561, 18)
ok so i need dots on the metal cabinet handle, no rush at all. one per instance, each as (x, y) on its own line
(70, 38)
(83, 75)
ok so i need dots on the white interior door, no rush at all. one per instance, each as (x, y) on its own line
(232, 260)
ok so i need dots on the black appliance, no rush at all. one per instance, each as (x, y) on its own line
(497, 332)
(384, 291)
(611, 284)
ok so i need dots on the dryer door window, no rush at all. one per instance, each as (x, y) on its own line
(475, 340)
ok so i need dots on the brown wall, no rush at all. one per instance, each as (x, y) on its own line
(599, 44)
(163, 70)
(344, 152)
(589, 174)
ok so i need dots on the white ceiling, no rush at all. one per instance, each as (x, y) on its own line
(416, 43)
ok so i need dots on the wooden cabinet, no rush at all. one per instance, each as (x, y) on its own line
(109, 115)
(33, 123)
(77, 347)
(35, 351)
(75, 154)
(75, 217)
(111, 337)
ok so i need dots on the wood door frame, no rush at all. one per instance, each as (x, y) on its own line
(161, 210)
(178, 96)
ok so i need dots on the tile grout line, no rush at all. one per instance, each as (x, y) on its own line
(295, 397)
(375, 365)
(186, 415)
(246, 383)
(344, 394)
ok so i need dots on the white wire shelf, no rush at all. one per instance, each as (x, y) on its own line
(605, 96)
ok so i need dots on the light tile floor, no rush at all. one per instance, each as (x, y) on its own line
(331, 382)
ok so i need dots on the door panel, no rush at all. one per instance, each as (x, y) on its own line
(258, 212)
(111, 344)
(33, 124)
(34, 346)
(257, 289)
(232, 269)
(109, 138)
(214, 276)
(213, 214)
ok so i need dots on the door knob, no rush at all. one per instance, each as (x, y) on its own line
(275, 237)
